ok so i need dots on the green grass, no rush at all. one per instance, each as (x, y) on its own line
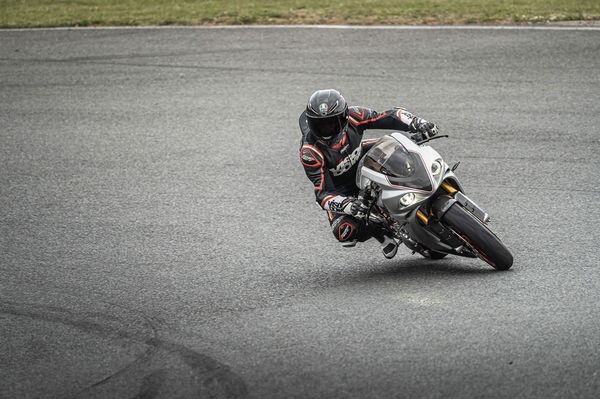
(39, 13)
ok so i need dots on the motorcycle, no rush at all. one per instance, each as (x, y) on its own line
(414, 196)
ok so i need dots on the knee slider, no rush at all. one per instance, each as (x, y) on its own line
(346, 228)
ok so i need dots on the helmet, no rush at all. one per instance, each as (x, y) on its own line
(327, 114)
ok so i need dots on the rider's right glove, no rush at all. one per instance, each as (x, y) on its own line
(356, 207)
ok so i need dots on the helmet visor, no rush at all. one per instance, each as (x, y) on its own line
(327, 128)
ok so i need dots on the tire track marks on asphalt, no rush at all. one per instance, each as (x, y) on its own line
(162, 368)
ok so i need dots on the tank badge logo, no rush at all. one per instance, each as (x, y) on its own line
(323, 108)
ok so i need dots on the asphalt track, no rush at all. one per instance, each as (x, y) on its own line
(159, 238)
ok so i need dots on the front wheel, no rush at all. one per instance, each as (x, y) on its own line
(478, 237)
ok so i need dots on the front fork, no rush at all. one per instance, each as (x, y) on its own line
(447, 196)
(431, 214)
(425, 213)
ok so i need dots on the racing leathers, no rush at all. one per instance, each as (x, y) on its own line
(332, 166)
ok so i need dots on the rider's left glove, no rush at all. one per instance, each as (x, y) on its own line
(427, 129)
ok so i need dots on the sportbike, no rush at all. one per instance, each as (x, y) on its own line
(411, 193)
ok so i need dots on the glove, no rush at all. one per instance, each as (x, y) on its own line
(356, 207)
(427, 129)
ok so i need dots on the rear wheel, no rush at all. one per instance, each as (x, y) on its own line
(479, 237)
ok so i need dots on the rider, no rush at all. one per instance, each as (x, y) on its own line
(330, 149)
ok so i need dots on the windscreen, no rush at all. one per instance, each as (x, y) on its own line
(402, 167)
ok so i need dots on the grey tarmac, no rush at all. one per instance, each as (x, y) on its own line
(159, 239)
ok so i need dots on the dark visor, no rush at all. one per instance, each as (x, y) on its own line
(327, 127)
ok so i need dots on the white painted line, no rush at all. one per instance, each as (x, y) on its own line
(407, 27)
(345, 27)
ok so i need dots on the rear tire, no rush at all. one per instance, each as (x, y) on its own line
(472, 230)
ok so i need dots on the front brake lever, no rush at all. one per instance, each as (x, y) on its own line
(431, 138)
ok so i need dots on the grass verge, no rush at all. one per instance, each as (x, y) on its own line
(51, 13)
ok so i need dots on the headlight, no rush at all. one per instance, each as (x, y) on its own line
(407, 199)
(436, 168)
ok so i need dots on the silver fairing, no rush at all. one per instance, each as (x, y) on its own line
(430, 160)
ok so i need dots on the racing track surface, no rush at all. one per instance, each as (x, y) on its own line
(158, 236)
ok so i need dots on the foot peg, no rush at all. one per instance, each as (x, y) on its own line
(389, 247)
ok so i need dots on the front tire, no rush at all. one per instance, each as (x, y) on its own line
(480, 238)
